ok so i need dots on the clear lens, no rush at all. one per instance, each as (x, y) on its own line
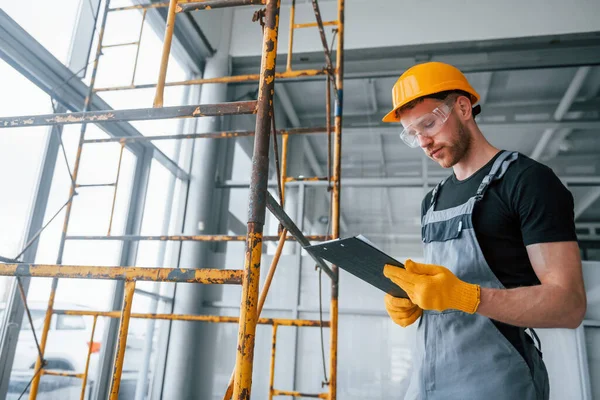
(427, 125)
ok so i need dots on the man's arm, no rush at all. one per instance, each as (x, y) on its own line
(560, 300)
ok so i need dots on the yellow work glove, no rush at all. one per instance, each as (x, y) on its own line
(433, 287)
(402, 311)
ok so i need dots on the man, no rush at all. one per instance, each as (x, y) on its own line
(500, 252)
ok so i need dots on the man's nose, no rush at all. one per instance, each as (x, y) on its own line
(424, 141)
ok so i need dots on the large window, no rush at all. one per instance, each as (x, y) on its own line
(100, 207)
(50, 23)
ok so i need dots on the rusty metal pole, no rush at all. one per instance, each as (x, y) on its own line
(263, 298)
(257, 207)
(87, 361)
(164, 62)
(122, 341)
(86, 107)
(272, 369)
(337, 172)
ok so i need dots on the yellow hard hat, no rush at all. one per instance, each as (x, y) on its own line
(426, 79)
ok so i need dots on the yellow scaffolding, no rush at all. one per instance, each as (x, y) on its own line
(252, 301)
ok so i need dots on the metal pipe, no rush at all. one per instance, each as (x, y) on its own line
(205, 276)
(314, 24)
(122, 339)
(257, 206)
(94, 185)
(262, 299)
(61, 373)
(284, 160)
(210, 4)
(112, 209)
(107, 46)
(291, 36)
(139, 44)
(87, 361)
(44, 337)
(224, 79)
(166, 51)
(86, 106)
(328, 123)
(306, 179)
(337, 175)
(197, 238)
(272, 368)
(208, 135)
(194, 111)
(300, 394)
(197, 318)
(322, 34)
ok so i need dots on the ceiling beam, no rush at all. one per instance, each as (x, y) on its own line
(586, 201)
(561, 110)
(486, 84)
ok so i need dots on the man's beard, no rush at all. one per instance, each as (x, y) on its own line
(457, 148)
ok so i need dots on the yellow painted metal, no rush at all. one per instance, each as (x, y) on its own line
(164, 62)
(272, 368)
(199, 318)
(112, 210)
(337, 175)
(248, 316)
(300, 394)
(314, 24)
(61, 373)
(272, 269)
(139, 44)
(194, 275)
(195, 238)
(262, 299)
(291, 36)
(250, 310)
(87, 361)
(284, 158)
(223, 79)
(306, 179)
(44, 337)
(122, 339)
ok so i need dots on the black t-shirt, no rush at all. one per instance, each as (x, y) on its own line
(528, 205)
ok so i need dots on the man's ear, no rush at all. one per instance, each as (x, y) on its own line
(464, 108)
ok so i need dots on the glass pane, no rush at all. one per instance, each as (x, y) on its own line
(48, 23)
(70, 322)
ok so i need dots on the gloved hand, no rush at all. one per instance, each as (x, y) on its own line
(402, 311)
(433, 287)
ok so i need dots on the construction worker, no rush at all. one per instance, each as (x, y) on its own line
(500, 252)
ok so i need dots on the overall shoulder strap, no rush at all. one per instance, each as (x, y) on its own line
(498, 170)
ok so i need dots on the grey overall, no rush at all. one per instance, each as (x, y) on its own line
(464, 356)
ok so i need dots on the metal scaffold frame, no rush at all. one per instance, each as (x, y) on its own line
(252, 299)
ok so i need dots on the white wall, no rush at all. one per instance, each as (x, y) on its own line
(384, 23)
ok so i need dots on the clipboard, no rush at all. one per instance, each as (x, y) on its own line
(362, 259)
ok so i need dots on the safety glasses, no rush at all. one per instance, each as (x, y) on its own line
(427, 125)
